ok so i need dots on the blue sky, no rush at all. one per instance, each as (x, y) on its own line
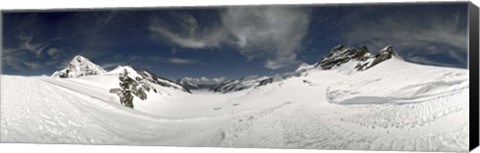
(231, 41)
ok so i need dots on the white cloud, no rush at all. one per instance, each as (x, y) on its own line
(173, 60)
(52, 51)
(218, 79)
(272, 33)
(33, 65)
(112, 65)
(424, 60)
(181, 61)
(413, 35)
(27, 45)
(55, 54)
(205, 80)
(63, 64)
(184, 32)
(36, 48)
(25, 54)
(14, 58)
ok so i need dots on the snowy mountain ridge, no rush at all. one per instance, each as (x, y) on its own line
(199, 83)
(128, 83)
(362, 57)
(147, 75)
(384, 107)
(79, 66)
(346, 59)
(239, 84)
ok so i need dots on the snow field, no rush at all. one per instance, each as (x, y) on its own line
(392, 106)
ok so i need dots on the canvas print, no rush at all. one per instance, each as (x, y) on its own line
(354, 77)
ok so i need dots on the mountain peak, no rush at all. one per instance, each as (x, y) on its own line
(388, 51)
(79, 66)
(387, 48)
(364, 59)
(79, 58)
(338, 47)
(135, 72)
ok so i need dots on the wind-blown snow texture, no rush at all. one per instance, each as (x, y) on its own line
(394, 105)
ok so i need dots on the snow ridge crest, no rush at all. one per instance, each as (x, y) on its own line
(364, 58)
(79, 66)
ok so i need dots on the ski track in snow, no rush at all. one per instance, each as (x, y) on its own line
(338, 115)
(377, 127)
(49, 124)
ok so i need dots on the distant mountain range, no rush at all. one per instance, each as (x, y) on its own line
(349, 99)
(340, 57)
(353, 59)
(81, 66)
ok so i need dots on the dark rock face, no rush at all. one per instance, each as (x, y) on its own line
(199, 83)
(64, 74)
(152, 77)
(129, 87)
(187, 85)
(229, 86)
(383, 55)
(340, 55)
(364, 58)
(138, 83)
(265, 82)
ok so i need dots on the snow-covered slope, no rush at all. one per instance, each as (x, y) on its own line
(149, 76)
(361, 58)
(394, 105)
(79, 66)
(141, 84)
(347, 60)
(199, 83)
(240, 84)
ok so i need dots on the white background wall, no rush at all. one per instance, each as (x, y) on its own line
(55, 148)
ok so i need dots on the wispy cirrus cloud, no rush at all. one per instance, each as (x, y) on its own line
(14, 58)
(275, 33)
(404, 34)
(185, 32)
(24, 46)
(181, 61)
(427, 61)
(272, 33)
(33, 65)
(36, 48)
(25, 55)
(414, 34)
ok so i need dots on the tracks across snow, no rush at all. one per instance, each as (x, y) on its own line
(58, 111)
(37, 119)
(47, 113)
(435, 123)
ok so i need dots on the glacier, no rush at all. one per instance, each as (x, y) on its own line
(394, 105)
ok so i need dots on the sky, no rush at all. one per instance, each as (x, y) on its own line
(229, 42)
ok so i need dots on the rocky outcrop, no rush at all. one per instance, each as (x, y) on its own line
(131, 86)
(362, 56)
(384, 55)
